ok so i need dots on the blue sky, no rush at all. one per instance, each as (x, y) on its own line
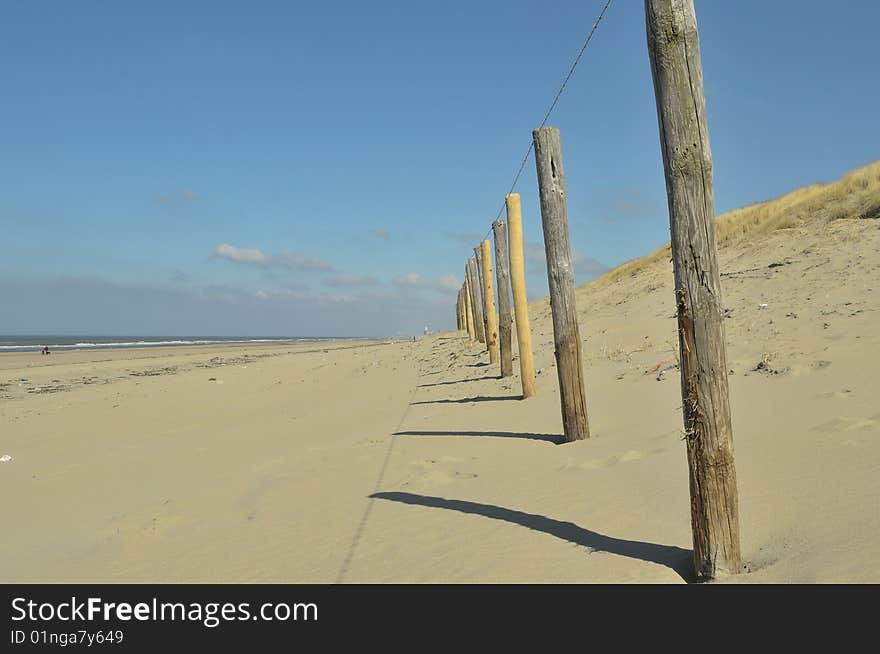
(286, 168)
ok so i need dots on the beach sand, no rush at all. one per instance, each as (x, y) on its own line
(413, 462)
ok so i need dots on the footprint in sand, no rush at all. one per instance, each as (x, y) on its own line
(431, 476)
(607, 462)
(845, 393)
(850, 424)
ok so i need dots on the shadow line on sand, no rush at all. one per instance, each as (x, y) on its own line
(457, 381)
(556, 439)
(467, 400)
(677, 559)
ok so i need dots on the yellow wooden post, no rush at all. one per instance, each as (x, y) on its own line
(469, 310)
(520, 303)
(489, 301)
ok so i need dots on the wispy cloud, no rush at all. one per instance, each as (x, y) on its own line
(178, 198)
(378, 232)
(351, 280)
(256, 257)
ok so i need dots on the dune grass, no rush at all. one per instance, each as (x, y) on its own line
(856, 195)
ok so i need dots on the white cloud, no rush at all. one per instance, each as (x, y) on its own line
(448, 283)
(256, 257)
(409, 279)
(378, 232)
(241, 255)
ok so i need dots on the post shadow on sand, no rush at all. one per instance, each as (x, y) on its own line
(556, 439)
(467, 400)
(677, 559)
(457, 381)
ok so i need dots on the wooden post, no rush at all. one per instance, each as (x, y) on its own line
(458, 311)
(489, 303)
(481, 294)
(468, 310)
(462, 307)
(462, 320)
(520, 301)
(502, 274)
(674, 51)
(566, 335)
(476, 303)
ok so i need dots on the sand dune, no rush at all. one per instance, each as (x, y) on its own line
(414, 462)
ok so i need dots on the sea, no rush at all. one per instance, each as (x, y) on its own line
(35, 343)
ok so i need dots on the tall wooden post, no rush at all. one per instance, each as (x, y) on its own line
(502, 275)
(476, 302)
(458, 326)
(489, 302)
(461, 308)
(560, 271)
(468, 310)
(481, 294)
(674, 50)
(520, 301)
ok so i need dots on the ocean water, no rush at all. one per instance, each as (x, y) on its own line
(33, 343)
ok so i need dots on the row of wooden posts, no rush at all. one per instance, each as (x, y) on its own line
(673, 45)
(475, 307)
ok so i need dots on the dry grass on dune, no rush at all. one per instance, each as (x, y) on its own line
(856, 195)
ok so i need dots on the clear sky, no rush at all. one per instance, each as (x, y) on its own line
(325, 168)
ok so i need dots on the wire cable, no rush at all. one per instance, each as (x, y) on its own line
(552, 107)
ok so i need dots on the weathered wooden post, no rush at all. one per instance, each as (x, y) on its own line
(478, 256)
(560, 272)
(502, 275)
(463, 304)
(468, 310)
(476, 302)
(674, 51)
(520, 301)
(458, 326)
(489, 304)
(461, 308)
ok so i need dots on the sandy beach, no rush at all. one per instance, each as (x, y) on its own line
(413, 462)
